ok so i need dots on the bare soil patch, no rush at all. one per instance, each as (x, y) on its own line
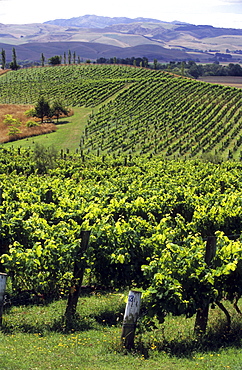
(17, 111)
(2, 71)
(234, 81)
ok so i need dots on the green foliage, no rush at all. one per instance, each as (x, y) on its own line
(42, 109)
(30, 112)
(10, 121)
(55, 60)
(58, 108)
(145, 213)
(13, 124)
(14, 65)
(181, 281)
(44, 158)
(30, 123)
(3, 59)
(14, 131)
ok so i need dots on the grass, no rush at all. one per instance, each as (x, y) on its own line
(33, 337)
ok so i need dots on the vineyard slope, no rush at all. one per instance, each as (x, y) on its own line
(136, 110)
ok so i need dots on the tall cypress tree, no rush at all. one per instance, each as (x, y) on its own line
(42, 60)
(69, 57)
(14, 65)
(3, 54)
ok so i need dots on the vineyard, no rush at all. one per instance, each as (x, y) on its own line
(151, 221)
(139, 111)
(161, 220)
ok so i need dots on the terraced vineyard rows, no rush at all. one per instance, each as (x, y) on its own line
(155, 113)
(174, 116)
(77, 85)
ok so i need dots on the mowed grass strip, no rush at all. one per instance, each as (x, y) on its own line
(33, 337)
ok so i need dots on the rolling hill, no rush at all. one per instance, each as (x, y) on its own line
(93, 37)
(134, 111)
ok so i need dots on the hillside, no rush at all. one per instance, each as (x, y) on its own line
(91, 50)
(94, 21)
(135, 111)
(94, 37)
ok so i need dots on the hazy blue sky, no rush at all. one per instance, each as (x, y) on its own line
(218, 13)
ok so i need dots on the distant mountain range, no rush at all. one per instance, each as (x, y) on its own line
(95, 21)
(92, 37)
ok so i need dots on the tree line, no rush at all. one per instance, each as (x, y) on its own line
(186, 68)
(140, 62)
(195, 70)
(68, 58)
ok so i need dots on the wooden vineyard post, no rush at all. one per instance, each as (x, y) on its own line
(202, 313)
(79, 268)
(130, 319)
(3, 280)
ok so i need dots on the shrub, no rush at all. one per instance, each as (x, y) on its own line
(31, 123)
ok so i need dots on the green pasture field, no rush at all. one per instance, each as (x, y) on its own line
(33, 337)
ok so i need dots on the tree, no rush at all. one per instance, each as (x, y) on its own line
(13, 124)
(193, 71)
(14, 65)
(74, 57)
(3, 58)
(69, 57)
(64, 57)
(42, 109)
(145, 60)
(155, 63)
(42, 60)
(234, 69)
(55, 60)
(58, 108)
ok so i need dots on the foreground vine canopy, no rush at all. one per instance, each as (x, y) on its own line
(150, 220)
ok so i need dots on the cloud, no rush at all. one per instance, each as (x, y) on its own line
(232, 1)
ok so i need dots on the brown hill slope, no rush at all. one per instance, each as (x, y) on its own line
(110, 35)
(88, 50)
